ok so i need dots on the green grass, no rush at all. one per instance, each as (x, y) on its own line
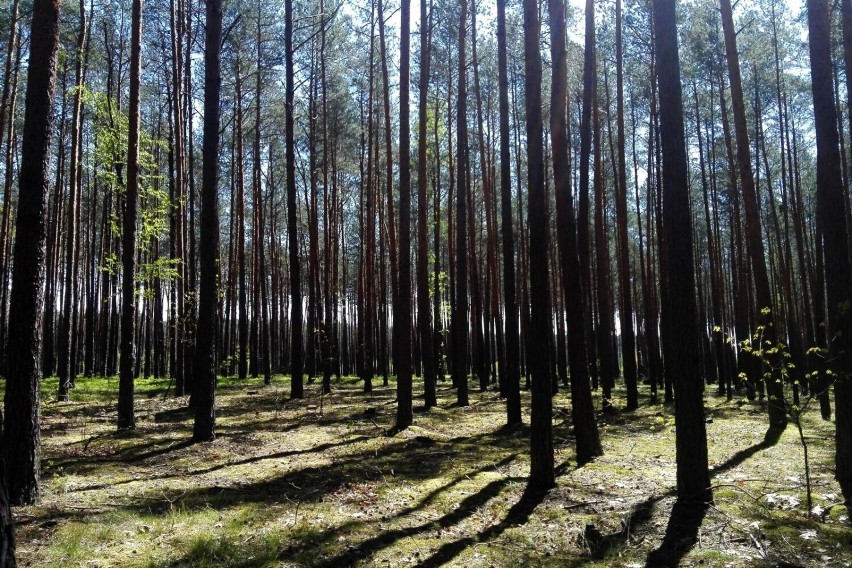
(320, 482)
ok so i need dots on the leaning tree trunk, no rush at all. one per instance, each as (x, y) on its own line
(765, 306)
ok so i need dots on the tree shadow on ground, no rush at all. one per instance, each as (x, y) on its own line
(770, 439)
(403, 459)
(383, 540)
(681, 535)
(684, 520)
(219, 466)
(519, 514)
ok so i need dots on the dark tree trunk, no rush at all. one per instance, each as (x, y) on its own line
(208, 305)
(7, 527)
(126, 418)
(460, 307)
(831, 204)
(297, 380)
(424, 323)
(66, 354)
(542, 476)
(684, 363)
(389, 175)
(583, 236)
(583, 411)
(512, 375)
(402, 310)
(22, 436)
(628, 337)
(763, 294)
(242, 295)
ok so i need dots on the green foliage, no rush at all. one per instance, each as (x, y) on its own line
(110, 159)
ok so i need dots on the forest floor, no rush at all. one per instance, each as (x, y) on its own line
(324, 482)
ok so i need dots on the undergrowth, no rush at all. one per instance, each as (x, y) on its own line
(322, 482)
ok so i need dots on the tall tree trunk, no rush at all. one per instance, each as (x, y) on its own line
(424, 323)
(66, 355)
(208, 306)
(126, 418)
(402, 310)
(583, 411)
(583, 236)
(22, 436)
(242, 293)
(177, 230)
(460, 307)
(510, 304)
(391, 219)
(684, 363)
(777, 412)
(604, 329)
(542, 476)
(625, 310)
(831, 205)
(296, 380)
(258, 228)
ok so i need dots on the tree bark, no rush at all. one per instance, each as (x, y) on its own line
(684, 364)
(510, 304)
(296, 378)
(628, 336)
(460, 307)
(831, 206)
(208, 305)
(126, 419)
(402, 311)
(22, 436)
(424, 322)
(583, 411)
(763, 294)
(542, 476)
(66, 355)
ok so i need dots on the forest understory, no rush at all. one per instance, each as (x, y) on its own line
(325, 481)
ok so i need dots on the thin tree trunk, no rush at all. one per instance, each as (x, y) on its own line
(402, 310)
(628, 337)
(777, 413)
(126, 418)
(296, 381)
(460, 307)
(510, 304)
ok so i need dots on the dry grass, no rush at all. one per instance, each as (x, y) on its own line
(322, 482)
